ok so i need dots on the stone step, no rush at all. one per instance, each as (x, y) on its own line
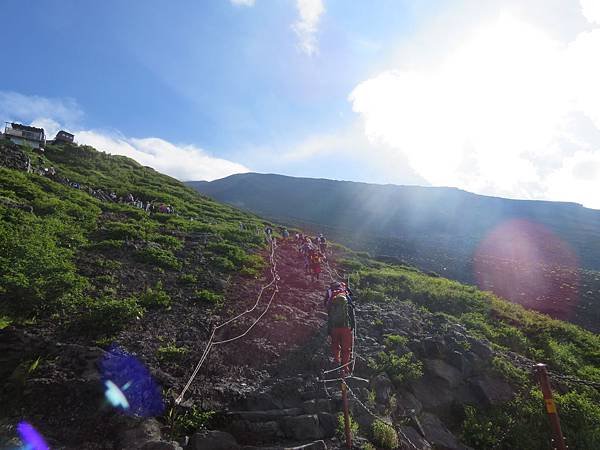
(314, 445)
(277, 426)
(264, 416)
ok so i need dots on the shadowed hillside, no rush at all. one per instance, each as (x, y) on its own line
(541, 254)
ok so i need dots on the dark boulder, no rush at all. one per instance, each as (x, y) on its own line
(213, 440)
(302, 427)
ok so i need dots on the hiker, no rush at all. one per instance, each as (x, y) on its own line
(268, 233)
(305, 250)
(285, 233)
(322, 244)
(337, 288)
(314, 265)
(340, 326)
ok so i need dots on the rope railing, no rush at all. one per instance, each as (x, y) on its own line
(211, 342)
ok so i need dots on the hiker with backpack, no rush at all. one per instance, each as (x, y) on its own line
(340, 325)
(306, 250)
(337, 288)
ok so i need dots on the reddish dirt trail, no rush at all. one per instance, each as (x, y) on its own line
(293, 322)
(294, 317)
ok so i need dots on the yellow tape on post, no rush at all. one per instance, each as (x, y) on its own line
(550, 406)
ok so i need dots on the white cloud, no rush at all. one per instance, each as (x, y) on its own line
(19, 107)
(496, 113)
(182, 162)
(242, 2)
(591, 10)
(306, 27)
(185, 162)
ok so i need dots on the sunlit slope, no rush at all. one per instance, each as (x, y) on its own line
(67, 249)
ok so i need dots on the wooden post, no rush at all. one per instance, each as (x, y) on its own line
(346, 416)
(558, 441)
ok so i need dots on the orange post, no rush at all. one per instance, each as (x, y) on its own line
(346, 416)
(558, 441)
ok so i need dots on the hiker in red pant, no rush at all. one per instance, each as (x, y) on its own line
(314, 265)
(340, 325)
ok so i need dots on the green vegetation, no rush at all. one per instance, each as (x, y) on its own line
(107, 316)
(340, 431)
(564, 347)
(189, 421)
(400, 364)
(171, 352)
(204, 295)
(155, 297)
(69, 252)
(384, 435)
(523, 423)
(400, 368)
(96, 267)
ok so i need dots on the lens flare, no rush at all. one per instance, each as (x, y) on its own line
(129, 386)
(31, 438)
(115, 396)
(526, 263)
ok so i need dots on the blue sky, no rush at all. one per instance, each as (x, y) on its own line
(309, 87)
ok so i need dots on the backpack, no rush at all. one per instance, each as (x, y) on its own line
(339, 316)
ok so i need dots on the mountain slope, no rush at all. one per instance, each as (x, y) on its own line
(92, 289)
(544, 255)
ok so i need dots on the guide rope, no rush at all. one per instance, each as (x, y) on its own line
(211, 342)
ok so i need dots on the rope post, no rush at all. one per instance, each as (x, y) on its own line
(558, 441)
(346, 415)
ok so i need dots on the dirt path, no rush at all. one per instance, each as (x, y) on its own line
(294, 322)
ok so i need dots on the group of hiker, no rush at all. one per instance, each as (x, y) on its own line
(338, 301)
(314, 252)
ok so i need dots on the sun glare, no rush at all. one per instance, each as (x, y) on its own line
(493, 115)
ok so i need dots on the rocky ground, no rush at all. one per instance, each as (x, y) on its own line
(265, 386)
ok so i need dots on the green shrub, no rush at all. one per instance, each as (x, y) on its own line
(222, 264)
(341, 427)
(367, 446)
(108, 244)
(400, 368)
(171, 352)
(158, 256)
(186, 422)
(508, 371)
(350, 265)
(371, 295)
(37, 274)
(4, 322)
(384, 435)
(188, 278)
(107, 316)
(395, 341)
(168, 242)
(204, 295)
(155, 297)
